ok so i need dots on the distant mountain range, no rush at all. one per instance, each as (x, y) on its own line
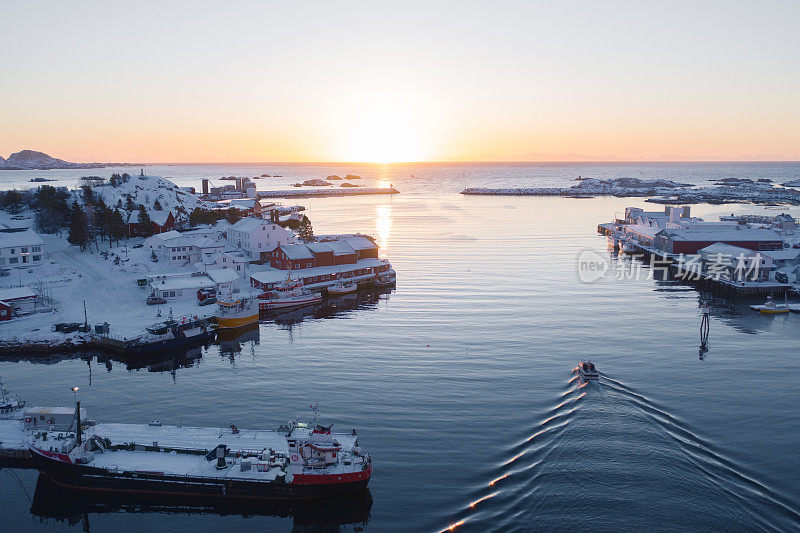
(32, 160)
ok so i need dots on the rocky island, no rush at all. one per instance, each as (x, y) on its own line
(33, 160)
(725, 191)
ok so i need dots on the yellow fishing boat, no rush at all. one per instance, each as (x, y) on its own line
(771, 308)
(236, 313)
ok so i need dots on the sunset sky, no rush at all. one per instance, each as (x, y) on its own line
(401, 81)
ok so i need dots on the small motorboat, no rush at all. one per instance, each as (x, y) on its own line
(771, 308)
(587, 370)
(342, 287)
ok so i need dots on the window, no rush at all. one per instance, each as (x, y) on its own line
(13, 260)
(37, 257)
(25, 250)
(2, 261)
(13, 251)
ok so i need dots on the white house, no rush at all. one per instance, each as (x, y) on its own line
(179, 286)
(188, 250)
(20, 248)
(257, 237)
(155, 242)
(225, 280)
(227, 260)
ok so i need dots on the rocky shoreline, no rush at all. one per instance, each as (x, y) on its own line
(724, 191)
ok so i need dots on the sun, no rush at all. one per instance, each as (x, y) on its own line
(383, 132)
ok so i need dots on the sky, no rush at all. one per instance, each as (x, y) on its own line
(238, 81)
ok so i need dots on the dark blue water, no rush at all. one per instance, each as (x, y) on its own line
(460, 381)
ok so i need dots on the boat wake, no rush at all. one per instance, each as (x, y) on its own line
(603, 434)
(729, 476)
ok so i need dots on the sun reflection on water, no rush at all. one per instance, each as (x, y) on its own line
(383, 226)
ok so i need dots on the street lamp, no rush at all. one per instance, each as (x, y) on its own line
(77, 414)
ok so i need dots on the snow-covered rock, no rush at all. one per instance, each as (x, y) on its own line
(661, 191)
(146, 190)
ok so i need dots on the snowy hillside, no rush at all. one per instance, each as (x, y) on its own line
(146, 190)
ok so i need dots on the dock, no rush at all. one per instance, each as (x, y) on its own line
(715, 284)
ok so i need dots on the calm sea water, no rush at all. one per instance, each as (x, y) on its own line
(460, 381)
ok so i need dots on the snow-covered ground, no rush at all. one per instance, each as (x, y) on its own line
(106, 281)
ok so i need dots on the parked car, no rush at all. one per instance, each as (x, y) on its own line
(155, 300)
(138, 245)
(208, 301)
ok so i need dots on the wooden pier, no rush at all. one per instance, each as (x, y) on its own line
(714, 284)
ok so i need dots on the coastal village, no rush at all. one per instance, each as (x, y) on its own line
(70, 258)
(750, 255)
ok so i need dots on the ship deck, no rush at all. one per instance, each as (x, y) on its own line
(205, 438)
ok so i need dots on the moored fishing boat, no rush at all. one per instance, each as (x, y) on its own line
(627, 247)
(771, 308)
(342, 287)
(10, 406)
(172, 334)
(296, 462)
(237, 313)
(386, 279)
(290, 294)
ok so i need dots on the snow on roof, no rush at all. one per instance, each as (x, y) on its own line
(640, 229)
(16, 293)
(182, 282)
(192, 240)
(19, 238)
(171, 234)
(249, 224)
(222, 275)
(726, 234)
(340, 247)
(319, 247)
(247, 203)
(783, 255)
(360, 243)
(726, 249)
(159, 217)
(296, 251)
